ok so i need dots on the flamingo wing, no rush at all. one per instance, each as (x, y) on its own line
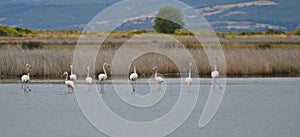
(102, 77)
(88, 80)
(133, 76)
(25, 78)
(214, 74)
(70, 84)
(73, 77)
(188, 80)
(160, 80)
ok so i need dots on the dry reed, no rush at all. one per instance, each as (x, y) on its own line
(51, 63)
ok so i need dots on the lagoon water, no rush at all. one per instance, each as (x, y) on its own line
(268, 107)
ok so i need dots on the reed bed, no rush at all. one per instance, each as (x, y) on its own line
(262, 61)
(51, 63)
(45, 63)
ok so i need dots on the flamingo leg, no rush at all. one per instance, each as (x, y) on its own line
(160, 85)
(29, 89)
(215, 82)
(25, 87)
(90, 86)
(133, 85)
(102, 86)
(68, 89)
(190, 87)
(22, 85)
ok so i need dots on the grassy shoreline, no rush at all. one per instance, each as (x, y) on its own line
(245, 55)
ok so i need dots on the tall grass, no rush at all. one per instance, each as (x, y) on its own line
(51, 63)
(262, 61)
(45, 63)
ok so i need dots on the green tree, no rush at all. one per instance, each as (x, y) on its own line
(296, 31)
(271, 31)
(167, 20)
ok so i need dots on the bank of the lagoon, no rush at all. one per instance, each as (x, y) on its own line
(51, 53)
(53, 62)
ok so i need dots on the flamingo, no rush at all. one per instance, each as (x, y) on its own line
(69, 83)
(215, 74)
(189, 80)
(88, 79)
(133, 76)
(160, 80)
(72, 75)
(25, 79)
(103, 77)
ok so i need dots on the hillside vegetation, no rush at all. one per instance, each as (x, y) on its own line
(21, 32)
(7, 31)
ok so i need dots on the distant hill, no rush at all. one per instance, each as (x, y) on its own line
(230, 15)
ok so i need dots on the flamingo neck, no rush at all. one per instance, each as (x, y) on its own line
(28, 72)
(88, 72)
(155, 75)
(215, 67)
(71, 70)
(67, 77)
(134, 69)
(103, 67)
(190, 70)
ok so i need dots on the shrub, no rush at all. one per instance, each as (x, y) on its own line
(7, 31)
(250, 33)
(296, 31)
(32, 45)
(264, 46)
(21, 30)
(183, 32)
(271, 31)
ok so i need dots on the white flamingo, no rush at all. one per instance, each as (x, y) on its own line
(72, 75)
(25, 79)
(189, 80)
(160, 80)
(69, 83)
(215, 74)
(103, 77)
(88, 79)
(133, 76)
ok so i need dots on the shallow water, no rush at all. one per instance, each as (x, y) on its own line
(251, 107)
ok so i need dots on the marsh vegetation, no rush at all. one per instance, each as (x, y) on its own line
(51, 52)
(252, 61)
